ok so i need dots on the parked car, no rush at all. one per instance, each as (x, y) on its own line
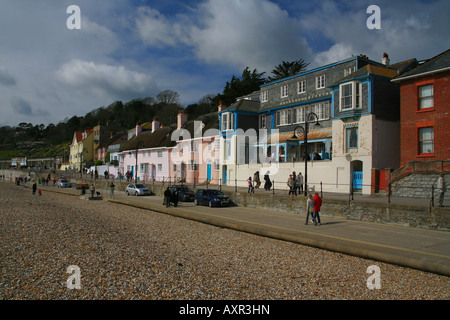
(137, 189)
(211, 197)
(184, 193)
(62, 183)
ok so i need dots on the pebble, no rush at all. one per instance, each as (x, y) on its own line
(127, 253)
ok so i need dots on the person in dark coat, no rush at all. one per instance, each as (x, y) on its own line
(167, 196)
(34, 188)
(174, 198)
(268, 183)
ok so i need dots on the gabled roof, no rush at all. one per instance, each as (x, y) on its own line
(162, 137)
(368, 70)
(159, 138)
(210, 121)
(439, 63)
(115, 139)
(79, 134)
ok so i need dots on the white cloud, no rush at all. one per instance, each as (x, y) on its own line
(104, 80)
(255, 33)
(407, 31)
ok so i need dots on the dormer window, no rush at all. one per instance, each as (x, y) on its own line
(350, 96)
(227, 121)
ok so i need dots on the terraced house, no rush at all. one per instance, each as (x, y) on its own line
(328, 123)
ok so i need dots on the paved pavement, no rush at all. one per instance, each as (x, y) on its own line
(422, 249)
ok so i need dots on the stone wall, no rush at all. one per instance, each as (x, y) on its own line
(400, 214)
(417, 185)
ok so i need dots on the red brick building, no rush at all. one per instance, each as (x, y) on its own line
(425, 111)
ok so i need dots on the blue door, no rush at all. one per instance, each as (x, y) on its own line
(357, 180)
(208, 173)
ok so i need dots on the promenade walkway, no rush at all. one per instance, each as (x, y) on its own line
(418, 248)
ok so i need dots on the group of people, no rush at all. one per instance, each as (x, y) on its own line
(295, 182)
(313, 208)
(256, 182)
(170, 197)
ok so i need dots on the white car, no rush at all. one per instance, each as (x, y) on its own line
(137, 189)
(63, 183)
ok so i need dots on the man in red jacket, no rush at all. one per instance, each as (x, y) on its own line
(317, 205)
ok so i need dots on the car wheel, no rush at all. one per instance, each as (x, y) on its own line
(210, 204)
(127, 193)
(136, 193)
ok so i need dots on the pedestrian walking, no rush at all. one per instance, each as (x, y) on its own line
(309, 208)
(174, 198)
(250, 185)
(92, 189)
(112, 187)
(34, 188)
(299, 183)
(317, 204)
(441, 189)
(256, 180)
(167, 196)
(267, 182)
(290, 184)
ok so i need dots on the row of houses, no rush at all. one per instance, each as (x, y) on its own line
(337, 124)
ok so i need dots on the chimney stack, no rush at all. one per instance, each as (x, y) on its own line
(138, 128)
(220, 107)
(155, 124)
(385, 59)
(181, 119)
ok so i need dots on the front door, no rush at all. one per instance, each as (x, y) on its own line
(208, 173)
(357, 180)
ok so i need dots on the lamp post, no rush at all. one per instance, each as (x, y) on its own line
(309, 117)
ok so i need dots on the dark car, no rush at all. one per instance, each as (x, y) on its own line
(211, 197)
(184, 193)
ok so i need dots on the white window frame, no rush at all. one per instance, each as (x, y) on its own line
(423, 98)
(284, 91)
(356, 97)
(298, 114)
(322, 109)
(227, 121)
(262, 121)
(349, 70)
(284, 117)
(320, 82)
(264, 96)
(301, 86)
(348, 148)
(424, 139)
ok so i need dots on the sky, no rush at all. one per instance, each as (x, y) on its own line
(129, 49)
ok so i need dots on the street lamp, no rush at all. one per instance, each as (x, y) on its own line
(309, 117)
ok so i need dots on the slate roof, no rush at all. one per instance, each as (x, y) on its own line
(162, 137)
(439, 63)
(244, 105)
